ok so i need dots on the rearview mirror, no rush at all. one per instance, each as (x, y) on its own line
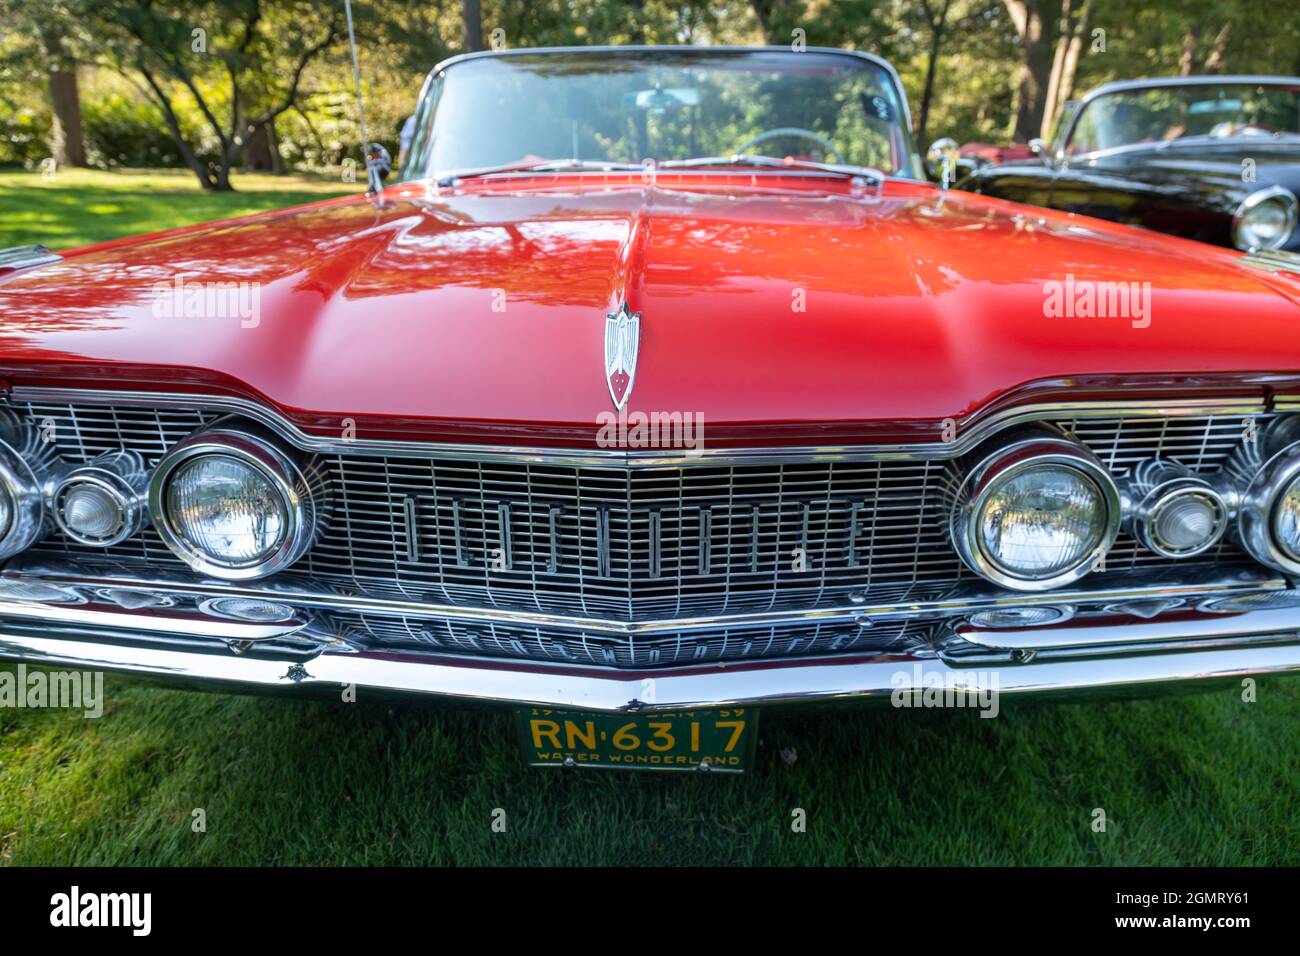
(661, 99)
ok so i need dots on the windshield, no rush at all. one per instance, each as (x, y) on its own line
(1169, 113)
(660, 105)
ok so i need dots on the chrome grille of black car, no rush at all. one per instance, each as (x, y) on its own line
(631, 544)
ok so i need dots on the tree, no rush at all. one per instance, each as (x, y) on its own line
(247, 58)
(1072, 29)
(1036, 22)
(471, 25)
(53, 27)
(66, 144)
(936, 20)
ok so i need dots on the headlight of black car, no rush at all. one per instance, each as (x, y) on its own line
(1266, 219)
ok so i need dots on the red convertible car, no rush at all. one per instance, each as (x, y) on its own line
(659, 384)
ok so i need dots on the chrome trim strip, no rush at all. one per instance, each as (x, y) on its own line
(287, 591)
(599, 457)
(29, 256)
(1272, 260)
(1122, 630)
(601, 689)
(187, 625)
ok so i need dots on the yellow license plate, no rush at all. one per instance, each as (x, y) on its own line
(719, 741)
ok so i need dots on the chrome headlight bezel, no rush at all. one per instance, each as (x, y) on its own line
(1277, 195)
(26, 503)
(284, 470)
(1001, 465)
(1157, 485)
(26, 465)
(1258, 510)
(121, 476)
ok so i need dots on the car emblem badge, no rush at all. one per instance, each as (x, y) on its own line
(622, 339)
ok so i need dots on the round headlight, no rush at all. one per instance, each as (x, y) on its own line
(1036, 515)
(22, 500)
(1265, 219)
(1286, 520)
(227, 509)
(1268, 516)
(233, 504)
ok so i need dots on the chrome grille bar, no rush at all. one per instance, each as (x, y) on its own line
(634, 543)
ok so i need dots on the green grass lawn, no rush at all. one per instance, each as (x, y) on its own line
(1203, 779)
(79, 206)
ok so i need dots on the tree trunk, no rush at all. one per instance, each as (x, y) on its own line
(1214, 62)
(471, 25)
(931, 68)
(66, 143)
(260, 154)
(1189, 51)
(1053, 94)
(1072, 58)
(1034, 21)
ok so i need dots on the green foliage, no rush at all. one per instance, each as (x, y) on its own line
(973, 98)
(24, 135)
(122, 131)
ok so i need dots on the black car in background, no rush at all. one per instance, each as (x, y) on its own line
(1209, 158)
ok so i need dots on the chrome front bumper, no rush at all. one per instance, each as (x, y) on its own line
(1114, 654)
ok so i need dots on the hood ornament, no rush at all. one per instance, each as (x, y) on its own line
(622, 339)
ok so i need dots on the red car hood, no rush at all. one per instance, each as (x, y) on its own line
(485, 309)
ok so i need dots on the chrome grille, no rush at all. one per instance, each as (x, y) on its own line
(677, 649)
(632, 544)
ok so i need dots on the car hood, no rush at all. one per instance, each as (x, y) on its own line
(759, 307)
(1216, 177)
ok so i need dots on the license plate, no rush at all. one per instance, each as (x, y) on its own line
(721, 741)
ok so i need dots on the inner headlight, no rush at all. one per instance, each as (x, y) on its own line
(1041, 521)
(1268, 515)
(1286, 520)
(1036, 515)
(233, 504)
(227, 509)
(1265, 220)
(25, 465)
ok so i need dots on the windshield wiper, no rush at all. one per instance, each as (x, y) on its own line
(773, 162)
(738, 159)
(536, 166)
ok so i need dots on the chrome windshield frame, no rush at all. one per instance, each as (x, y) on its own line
(431, 80)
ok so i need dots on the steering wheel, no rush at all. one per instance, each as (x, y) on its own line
(792, 131)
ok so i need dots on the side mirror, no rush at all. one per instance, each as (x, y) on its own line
(1037, 146)
(941, 161)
